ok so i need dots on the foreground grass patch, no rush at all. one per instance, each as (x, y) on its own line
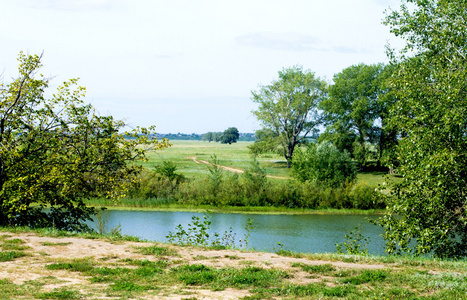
(77, 265)
(11, 255)
(319, 269)
(219, 279)
(62, 293)
(156, 250)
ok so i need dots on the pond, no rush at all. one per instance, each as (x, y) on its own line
(314, 233)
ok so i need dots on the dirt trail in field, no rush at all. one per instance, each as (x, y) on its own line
(42, 251)
(230, 169)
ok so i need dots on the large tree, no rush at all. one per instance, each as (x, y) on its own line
(430, 204)
(289, 106)
(356, 111)
(56, 152)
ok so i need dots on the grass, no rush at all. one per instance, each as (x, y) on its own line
(55, 244)
(235, 155)
(319, 269)
(11, 255)
(141, 205)
(164, 273)
(156, 250)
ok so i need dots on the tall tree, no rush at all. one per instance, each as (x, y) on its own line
(356, 111)
(430, 204)
(57, 152)
(289, 106)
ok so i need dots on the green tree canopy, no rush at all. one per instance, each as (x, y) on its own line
(230, 136)
(266, 140)
(56, 152)
(356, 111)
(430, 81)
(289, 106)
(208, 136)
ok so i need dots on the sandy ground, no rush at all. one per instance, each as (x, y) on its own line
(45, 250)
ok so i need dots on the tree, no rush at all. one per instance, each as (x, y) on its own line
(323, 163)
(230, 136)
(57, 152)
(430, 204)
(289, 107)
(208, 136)
(266, 140)
(216, 136)
(356, 111)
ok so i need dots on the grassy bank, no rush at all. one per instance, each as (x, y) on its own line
(48, 264)
(155, 205)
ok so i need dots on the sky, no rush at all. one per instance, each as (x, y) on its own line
(189, 66)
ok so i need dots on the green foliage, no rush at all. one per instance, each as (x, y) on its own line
(167, 169)
(252, 188)
(254, 184)
(197, 234)
(357, 109)
(56, 152)
(230, 135)
(429, 205)
(266, 141)
(212, 136)
(355, 243)
(215, 175)
(289, 107)
(323, 163)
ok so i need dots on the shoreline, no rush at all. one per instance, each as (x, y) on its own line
(243, 210)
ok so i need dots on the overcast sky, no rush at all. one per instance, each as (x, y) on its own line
(188, 65)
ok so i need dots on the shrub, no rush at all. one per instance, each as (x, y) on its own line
(323, 163)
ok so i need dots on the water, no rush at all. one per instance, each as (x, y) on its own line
(298, 233)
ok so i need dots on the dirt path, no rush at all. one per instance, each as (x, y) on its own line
(230, 169)
(42, 251)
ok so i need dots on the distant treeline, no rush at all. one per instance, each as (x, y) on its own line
(202, 137)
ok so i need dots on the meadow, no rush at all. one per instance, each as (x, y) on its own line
(236, 156)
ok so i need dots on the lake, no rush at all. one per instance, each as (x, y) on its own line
(312, 233)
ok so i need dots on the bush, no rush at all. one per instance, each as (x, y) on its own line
(323, 163)
(160, 183)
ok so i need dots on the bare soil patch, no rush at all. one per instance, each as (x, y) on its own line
(45, 250)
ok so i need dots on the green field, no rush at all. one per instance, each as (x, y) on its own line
(235, 155)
